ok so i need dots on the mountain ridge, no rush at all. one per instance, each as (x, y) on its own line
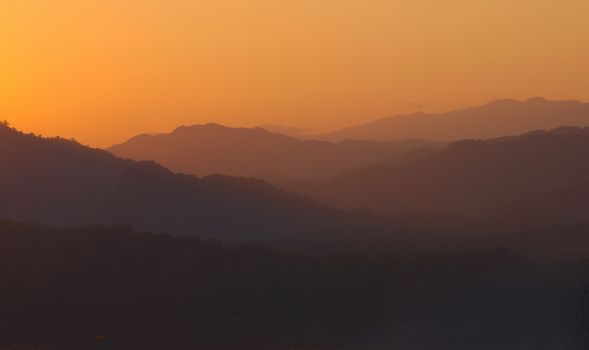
(255, 152)
(57, 182)
(494, 119)
(537, 178)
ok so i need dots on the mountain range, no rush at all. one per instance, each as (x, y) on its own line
(61, 183)
(535, 179)
(538, 178)
(495, 119)
(473, 243)
(255, 152)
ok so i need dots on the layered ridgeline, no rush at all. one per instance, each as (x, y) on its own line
(496, 119)
(61, 183)
(534, 179)
(214, 149)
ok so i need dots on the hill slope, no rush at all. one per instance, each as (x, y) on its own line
(214, 149)
(61, 183)
(537, 178)
(144, 291)
(496, 119)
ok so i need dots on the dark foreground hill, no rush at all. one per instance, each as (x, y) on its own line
(495, 119)
(62, 288)
(215, 149)
(113, 289)
(535, 179)
(61, 183)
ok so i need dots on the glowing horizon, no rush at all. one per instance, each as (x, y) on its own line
(102, 71)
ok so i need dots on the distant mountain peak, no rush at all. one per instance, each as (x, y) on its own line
(182, 128)
(252, 152)
(217, 128)
(285, 130)
(501, 101)
(537, 99)
(498, 118)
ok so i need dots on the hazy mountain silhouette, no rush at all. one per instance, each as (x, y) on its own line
(60, 287)
(214, 149)
(61, 183)
(537, 178)
(285, 130)
(496, 119)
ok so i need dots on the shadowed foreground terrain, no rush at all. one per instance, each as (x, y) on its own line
(63, 288)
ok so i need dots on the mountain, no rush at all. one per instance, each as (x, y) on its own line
(214, 149)
(538, 178)
(285, 130)
(62, 183)
(496, 119)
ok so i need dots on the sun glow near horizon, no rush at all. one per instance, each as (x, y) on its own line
(101, 71)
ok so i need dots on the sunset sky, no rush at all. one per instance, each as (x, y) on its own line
(104, 70)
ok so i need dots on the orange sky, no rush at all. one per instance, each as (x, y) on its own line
(103, 70)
